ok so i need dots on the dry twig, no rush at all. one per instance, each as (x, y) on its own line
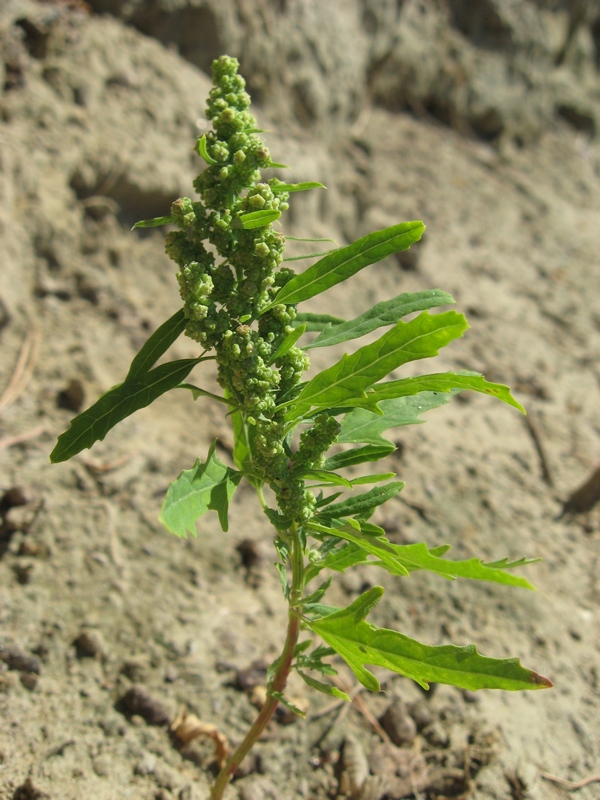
(570, 786)
(23, 369)
(535, 436)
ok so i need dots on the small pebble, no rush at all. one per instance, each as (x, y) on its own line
(29, 680)
(15, 658)
(72, 396)
(421, 714)
(90, 644)
(137, 701)
(398, 723)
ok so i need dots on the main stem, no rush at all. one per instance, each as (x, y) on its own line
(281, 674)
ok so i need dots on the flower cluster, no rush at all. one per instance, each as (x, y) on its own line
(225, 295)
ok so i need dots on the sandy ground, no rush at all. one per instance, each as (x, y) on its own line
(96, 598)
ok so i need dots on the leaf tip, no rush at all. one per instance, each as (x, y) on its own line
(540, 682)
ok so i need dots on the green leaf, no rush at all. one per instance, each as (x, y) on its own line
(346, 261)
(403, 559)
(318, 594)
(376, 478)
(202, 147)
(287, 344)
(370, 544)
(326, 478)
(290, 706)
(363, 504)
(346, 382)
(118, 403)
(444, 382)
(342, 558)
(359, 455)
(158, 344)
(308, 239)
(307, 255)
(241, 450)
(295, 187)
(324, 688)
(258, 219)
(359, 643)
(208, 486)
(388, 312)
(153, 223)
(315, 322)
(275, 165)
(363, 426)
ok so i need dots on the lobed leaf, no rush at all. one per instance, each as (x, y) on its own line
(359, 642)
(158, 344)
(444, 382)
(117, 404)
(403, 559)
(388, 312)
(208, 486)
(345, 262)
(346, 382)
(360, 425)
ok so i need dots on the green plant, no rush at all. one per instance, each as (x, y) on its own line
(240, 306)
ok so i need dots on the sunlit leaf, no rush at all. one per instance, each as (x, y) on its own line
(258, 219)
(207, 486)
(277, 188)
(202, 148)
(403, 559)
(324, 688)
(346, 382)
(359, 455)
(345, 262)
(362, 504)
(388, 312)
(315, 322)
(118, 403)
(156, 222)
(158, 344)
(444, 382)
(360, 643)
(287, 344)
(363, 426)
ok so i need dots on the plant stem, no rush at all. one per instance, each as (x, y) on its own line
(281, 674)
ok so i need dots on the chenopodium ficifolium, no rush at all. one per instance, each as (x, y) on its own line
(240, 304)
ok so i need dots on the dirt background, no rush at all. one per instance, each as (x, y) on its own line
(479, 117)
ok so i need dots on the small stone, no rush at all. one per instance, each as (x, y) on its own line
(137, 701)
(398, 723)
(29, 680)
(15, 658)
(90, 644)
(72, 396)
(421, 713)
(13, 497)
